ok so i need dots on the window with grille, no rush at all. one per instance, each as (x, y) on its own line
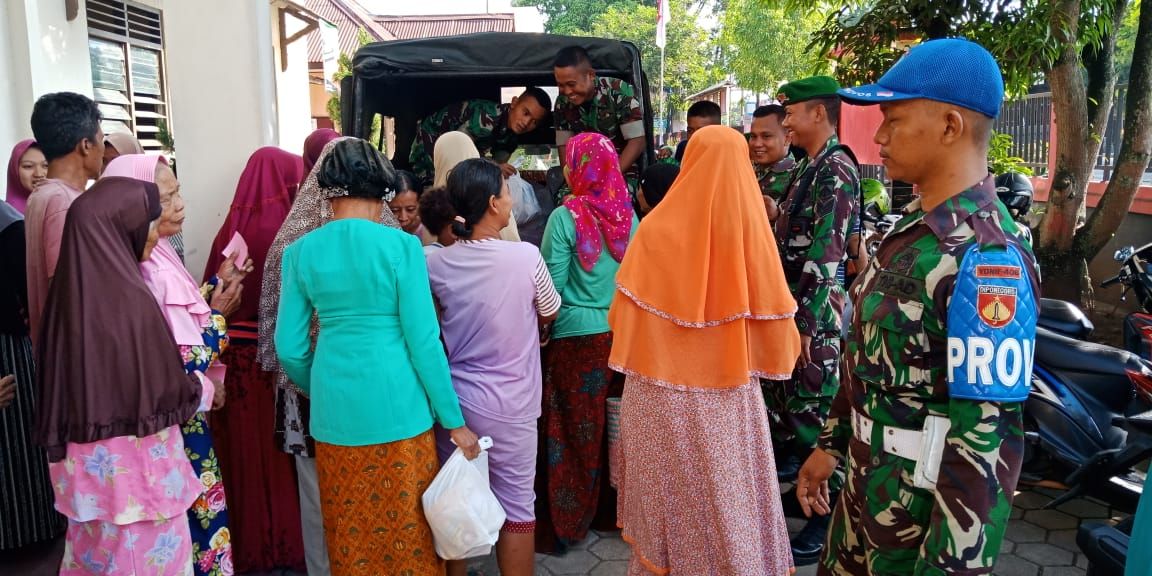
(126, 47)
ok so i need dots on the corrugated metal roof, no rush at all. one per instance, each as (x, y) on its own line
(349, 17)
(411, 27)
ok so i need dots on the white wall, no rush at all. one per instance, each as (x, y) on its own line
(220, 81)
(293, 93)
(40, 52)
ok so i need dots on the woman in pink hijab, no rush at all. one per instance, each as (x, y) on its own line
(201, 332)
(26, 168)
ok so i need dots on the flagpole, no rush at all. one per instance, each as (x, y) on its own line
(663, 108)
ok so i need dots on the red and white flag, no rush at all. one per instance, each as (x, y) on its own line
(663, 15)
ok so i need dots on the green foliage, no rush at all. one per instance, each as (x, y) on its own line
(765, 45)
(687, 51)
(1126, 43)
(866, 37)
(576, 18)
(1000, 158)
(344, 70)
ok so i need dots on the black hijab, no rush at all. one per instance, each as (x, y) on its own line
(108, 365)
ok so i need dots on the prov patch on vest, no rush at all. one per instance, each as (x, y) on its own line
(991, 327)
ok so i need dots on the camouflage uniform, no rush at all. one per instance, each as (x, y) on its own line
(895, 374)
(775, 179)
(812, 247)
(484, 120)
(614, 111)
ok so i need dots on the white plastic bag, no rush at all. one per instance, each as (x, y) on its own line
(524, 203)
(461, 509)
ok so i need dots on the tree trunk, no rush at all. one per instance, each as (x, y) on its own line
(1077, 145)
(1135, 147)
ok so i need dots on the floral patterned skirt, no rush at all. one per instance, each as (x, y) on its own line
(208, 517)
(699, 482)
(161, 548)
(373, 514)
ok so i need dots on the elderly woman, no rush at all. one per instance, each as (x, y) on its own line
(405, 206)
(493, 294)
(701, 313)
(200, 331)
(263, 509)
(583, 245)
(377, 375)
(111, 424)
(27, 168)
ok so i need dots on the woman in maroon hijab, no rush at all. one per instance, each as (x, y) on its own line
(26, 168)
(263, 504)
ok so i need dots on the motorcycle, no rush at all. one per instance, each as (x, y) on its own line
(1135, 277)
(1082, 392)
(1106, 545)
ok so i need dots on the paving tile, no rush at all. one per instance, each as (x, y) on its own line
(1051, 519)
(1085, 509)
(1081, 561)
(1021, 531)
(615, 568)
(1030, 500)
(1064, 571)
(611, 550)
(1045, 554)
(809, 570)
(574, 562)
(1015, 566)
(1065, 539)
(1016, 514)
(587, 543)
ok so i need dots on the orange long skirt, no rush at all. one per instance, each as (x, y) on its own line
(373, 515)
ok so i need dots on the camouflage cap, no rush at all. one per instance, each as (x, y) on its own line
(807, 89)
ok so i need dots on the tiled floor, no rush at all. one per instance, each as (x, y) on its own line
(1040, 543)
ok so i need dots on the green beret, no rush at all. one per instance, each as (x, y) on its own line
(807, 89)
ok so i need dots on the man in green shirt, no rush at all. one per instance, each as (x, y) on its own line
(494, 128)
(768, 145)
(608, 106)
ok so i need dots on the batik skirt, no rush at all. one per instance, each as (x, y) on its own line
(699, 482)
(373, 514)
(573, 463)
(27, 510)
(263, 501)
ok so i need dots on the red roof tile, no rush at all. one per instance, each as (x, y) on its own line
(349, 17)
(410, 27)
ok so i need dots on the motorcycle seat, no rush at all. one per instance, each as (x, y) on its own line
(1103, 369)
(1065, 318)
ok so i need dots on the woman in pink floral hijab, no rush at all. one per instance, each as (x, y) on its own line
(583, 244)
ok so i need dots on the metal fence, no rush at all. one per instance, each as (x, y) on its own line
(1029, 122)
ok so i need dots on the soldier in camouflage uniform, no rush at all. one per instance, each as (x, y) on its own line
(608, 106)
(768, 147)
(811, 232)
(494, 128)
(929, 417)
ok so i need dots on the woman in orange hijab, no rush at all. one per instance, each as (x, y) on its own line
(702, 311)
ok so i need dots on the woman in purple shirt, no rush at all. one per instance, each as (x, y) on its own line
(493, 296)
